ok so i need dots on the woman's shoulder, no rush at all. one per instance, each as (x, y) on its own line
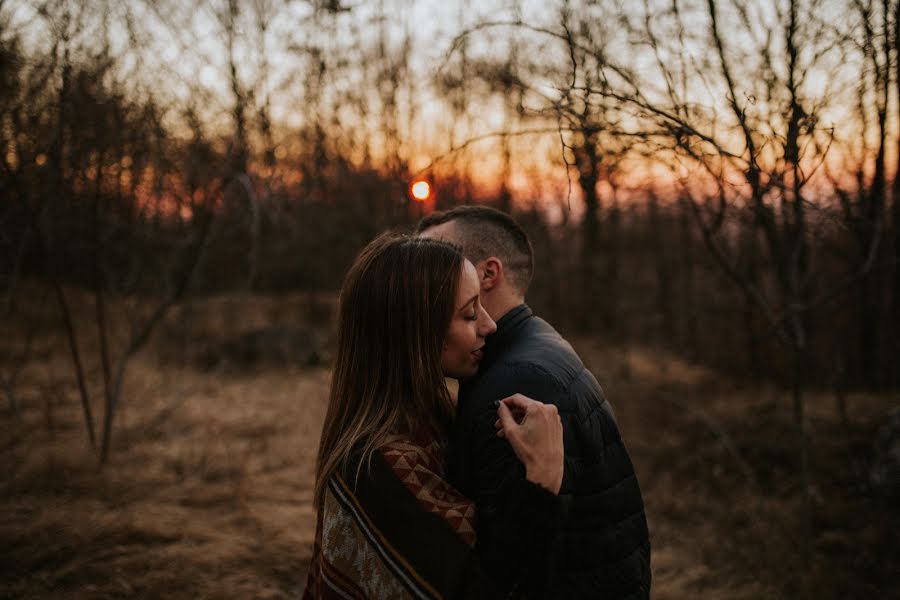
(418, 464)
(409, 452)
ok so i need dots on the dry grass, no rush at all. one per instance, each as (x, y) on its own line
(717, 467)
(208, 494)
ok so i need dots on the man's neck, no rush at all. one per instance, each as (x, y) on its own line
(497, 307)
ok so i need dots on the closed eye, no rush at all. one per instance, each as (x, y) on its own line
(471, 303)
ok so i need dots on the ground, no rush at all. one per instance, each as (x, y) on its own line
(208, 490)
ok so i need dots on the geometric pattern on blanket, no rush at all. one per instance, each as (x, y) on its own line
(421, 469)
(351, 558)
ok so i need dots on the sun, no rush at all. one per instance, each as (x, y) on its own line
(421, 191)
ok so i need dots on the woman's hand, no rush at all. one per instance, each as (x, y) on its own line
(534, 431)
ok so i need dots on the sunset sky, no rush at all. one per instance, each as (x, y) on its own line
(181, 56)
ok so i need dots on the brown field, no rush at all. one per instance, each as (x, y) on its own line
(208, 491)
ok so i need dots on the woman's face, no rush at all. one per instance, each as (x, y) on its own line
(469, 325)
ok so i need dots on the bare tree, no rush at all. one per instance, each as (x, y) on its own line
(769, 175)
(740, 123)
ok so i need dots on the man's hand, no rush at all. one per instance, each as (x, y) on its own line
(534, 431)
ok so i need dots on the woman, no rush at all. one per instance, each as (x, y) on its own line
(390, 525)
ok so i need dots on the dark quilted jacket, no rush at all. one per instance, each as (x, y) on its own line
(603, 549)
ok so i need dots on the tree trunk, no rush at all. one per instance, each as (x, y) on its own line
(896, 283)
(663, 273)
(874, 201)
(895, 208)
(867, 316)
(239, 147)
(750, 252)
(799, 411)
(613, 260)
(590, 252)
(688, 306)
(99, 304)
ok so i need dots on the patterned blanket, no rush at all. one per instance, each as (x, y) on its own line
(400, 531)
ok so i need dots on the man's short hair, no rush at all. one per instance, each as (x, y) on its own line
(484, 232)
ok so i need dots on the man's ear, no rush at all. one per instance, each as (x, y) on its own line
(490, 272)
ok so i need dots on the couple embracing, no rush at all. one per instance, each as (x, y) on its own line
(520, 488)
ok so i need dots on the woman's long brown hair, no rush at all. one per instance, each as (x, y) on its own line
(395, 309)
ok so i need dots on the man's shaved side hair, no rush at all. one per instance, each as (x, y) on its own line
(484, 232)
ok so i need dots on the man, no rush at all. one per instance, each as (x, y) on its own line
(602, 549)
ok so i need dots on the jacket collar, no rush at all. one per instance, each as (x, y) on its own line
(507, 326)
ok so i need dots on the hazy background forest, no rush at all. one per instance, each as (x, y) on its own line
(710, 185)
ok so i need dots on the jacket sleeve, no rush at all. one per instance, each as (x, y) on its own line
(528, 528)
(497, 479)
